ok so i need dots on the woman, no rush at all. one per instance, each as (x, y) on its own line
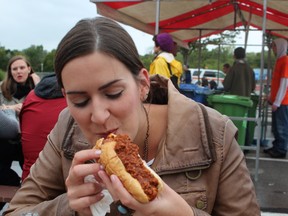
(108, 90)
(20, 80)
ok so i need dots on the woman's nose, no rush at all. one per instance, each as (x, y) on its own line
(100, 113)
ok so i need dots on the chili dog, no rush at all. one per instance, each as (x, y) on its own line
(120, 157)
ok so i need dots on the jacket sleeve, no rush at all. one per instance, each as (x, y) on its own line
(9, 125)
(228, 81)
(44, 191)
(236, 193)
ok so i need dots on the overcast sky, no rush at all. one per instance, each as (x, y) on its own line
(44, 22)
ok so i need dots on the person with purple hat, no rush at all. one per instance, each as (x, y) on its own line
(164, 62)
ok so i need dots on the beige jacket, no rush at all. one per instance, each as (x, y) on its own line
(208, 171)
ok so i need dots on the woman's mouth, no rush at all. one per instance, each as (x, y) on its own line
(105, 134)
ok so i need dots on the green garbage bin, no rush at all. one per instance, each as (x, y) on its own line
(252, 114)
(233, 105)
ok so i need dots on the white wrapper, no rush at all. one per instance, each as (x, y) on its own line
(103, 206)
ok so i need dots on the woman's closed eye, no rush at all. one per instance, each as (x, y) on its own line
(81, 104)
(114, 95)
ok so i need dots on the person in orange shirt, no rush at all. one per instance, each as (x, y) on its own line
(279, 100)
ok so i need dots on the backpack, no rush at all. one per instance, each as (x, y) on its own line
(173, 78)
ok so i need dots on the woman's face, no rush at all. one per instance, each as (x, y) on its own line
(20, 71)
(103, 96)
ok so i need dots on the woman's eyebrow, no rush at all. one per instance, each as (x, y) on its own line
(74, 92)
(101, 88)
(109, 84)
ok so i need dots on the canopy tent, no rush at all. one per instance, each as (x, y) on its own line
(189, 20)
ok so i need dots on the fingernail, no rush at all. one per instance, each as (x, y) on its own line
(113, 178)
(98, 152)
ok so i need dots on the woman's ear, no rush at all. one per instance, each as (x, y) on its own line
(63, 92)
(144, 77)
(144, 83)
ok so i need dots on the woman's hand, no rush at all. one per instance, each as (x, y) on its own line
(80, 194)
(167, 203)
(16, 107)
(36, 78)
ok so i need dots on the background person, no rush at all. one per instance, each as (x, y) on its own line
(175, 49)
(19, 81)
(226, 68)
(187, 74)
(279, 100)
(37, 118)
(164, 62)
(108, 89)
(241, 78)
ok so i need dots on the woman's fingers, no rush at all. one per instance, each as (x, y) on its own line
(80, 168)
(84, 156)
(89, 188)
(117, 190)
(83, 203)
(82, 194)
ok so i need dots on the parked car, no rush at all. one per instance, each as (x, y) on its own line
(210, 74)
(257, 72)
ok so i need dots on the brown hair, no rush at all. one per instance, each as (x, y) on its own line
(9, 85)
(98, 34)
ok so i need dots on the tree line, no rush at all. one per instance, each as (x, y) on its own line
(198, 56)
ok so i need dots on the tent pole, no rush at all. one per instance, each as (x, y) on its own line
(157, 17)
(247, 28)
(199, 54)
(262, 57)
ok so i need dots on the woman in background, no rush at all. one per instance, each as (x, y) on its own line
(19, 81)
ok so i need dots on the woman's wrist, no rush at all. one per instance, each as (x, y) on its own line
(3, 107)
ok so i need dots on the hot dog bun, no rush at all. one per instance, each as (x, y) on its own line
(120, 157)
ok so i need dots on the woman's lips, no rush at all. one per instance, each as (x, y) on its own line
(19, 77)
(105, 134)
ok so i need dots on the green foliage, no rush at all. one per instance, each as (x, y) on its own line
(5, 55)
(197, 56)
(48, 64)
(36, 56)
(2, 75)
(147, 59)
(214, 58)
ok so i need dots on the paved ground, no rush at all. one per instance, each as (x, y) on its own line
(271, 187)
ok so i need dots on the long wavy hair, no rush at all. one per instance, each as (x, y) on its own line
(9, 85)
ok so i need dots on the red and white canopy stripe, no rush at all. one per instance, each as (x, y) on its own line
(187, 20)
